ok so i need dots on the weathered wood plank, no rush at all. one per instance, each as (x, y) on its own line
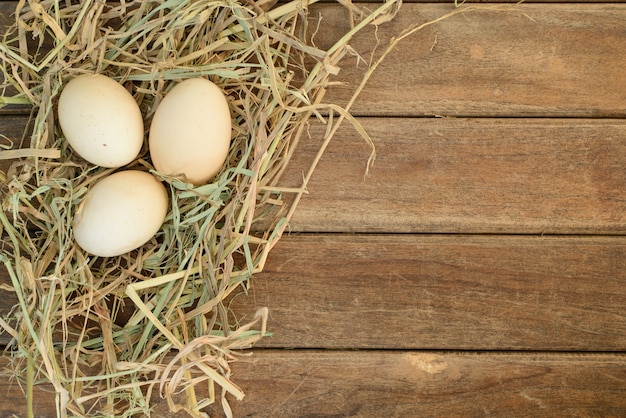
(542, 60)
(439, 292)
(431, 384)
(460, 175)
(403, 383)
(443, 292)
(467, 175)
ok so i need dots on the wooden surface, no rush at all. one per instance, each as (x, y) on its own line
(461, 292)
(483, 175)
(542, 60)
(480, 268)
(302, 383)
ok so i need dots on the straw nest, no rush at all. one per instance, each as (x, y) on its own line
(109, 333)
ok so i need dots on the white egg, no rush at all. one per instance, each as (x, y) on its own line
(190, 131)
(120, 213)
(101, 120)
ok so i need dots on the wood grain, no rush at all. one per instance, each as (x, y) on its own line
(413, 279)
(404, 384)
(444, 292)
(467, 175)
(282, 383)
(533, 60)
(537, 60)
(460, 175)
(439, 292)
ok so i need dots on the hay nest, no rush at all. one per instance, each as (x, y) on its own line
(109, 332)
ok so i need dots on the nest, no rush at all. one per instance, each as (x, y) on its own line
(108, 333)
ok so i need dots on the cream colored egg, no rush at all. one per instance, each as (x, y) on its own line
(120, 213)
(190, 131)
(101, 120)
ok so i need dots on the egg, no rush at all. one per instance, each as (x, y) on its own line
(101, 120)
(190, 131)
(120, 213)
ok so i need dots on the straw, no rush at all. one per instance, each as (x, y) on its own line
(109, 333)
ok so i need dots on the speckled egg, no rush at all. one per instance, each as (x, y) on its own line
(100, 120)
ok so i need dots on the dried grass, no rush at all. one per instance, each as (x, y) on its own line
(107, 333)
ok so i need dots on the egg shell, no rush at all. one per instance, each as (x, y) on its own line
(120, 213)
(190, 131)
(101, 120)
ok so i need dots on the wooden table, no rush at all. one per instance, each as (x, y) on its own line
(480, 269)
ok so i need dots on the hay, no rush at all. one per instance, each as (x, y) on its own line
(108, 333)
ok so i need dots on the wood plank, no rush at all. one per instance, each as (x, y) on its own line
(406, 383)
(439, 292)
(543, 60)
(459, 175)
(443, 292)
(467, 175)
(431, 384)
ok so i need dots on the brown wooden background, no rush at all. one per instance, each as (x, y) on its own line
(481, 268)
